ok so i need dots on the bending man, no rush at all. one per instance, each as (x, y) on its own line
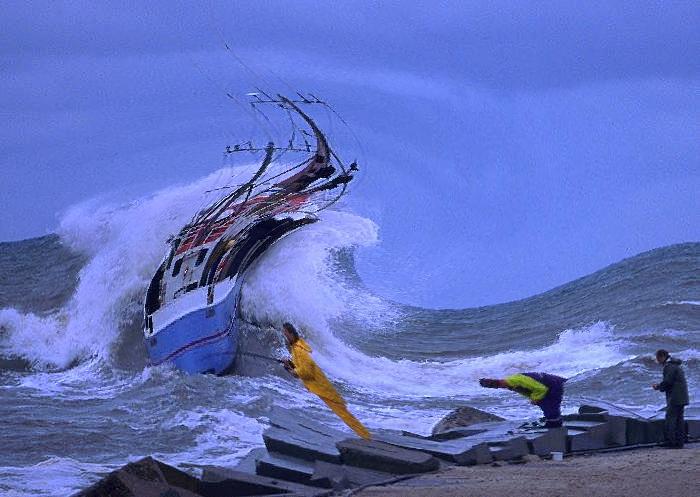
(303, 367)
(543, 389)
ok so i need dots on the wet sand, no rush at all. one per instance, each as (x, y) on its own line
(642, 472)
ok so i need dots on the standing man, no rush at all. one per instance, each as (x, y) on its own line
(676, 390)
(302, 366)
(543, 389)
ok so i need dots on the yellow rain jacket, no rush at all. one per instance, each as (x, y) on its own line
(316, 381)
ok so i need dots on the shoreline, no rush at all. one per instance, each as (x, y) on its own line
(650, 472)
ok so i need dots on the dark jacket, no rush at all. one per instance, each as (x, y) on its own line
(674, 384)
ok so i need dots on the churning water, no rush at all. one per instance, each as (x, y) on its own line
(78, 398)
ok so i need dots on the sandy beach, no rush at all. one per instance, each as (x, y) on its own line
(644, 472)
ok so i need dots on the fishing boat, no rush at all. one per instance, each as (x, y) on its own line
(192, 303)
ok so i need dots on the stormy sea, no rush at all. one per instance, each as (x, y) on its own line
(78, 397)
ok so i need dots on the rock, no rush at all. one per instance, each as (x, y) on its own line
(585, 409)
(144, 478)
(455, 433)
(463, 416)
(220, 482)
(599, 417)
(384, 457)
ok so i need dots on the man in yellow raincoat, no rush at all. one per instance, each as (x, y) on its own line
(303, 367)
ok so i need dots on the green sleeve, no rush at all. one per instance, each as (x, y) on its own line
(532, 389)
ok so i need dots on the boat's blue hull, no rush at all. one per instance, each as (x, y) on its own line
(203, 341)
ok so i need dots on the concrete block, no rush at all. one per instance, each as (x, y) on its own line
(340, 477)
(294, 421)
(449, 450)
(301, 444)
(617, 431)
(285, 468)
(144, 478)
(380, 456)
(478, 454)
(247, 462)
(693, 428)
(584, 441)
(586, 435)
(511, 449)
(546, 441)
(654, 431)
(635, 431)
(221, 482)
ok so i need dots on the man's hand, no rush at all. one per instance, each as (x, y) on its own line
(289, 366)
(489, 383)
(655, 386)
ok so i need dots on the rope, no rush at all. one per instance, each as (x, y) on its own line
(259, 356)
(629, 411)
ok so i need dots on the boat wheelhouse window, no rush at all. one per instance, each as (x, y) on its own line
(201, 256)
(178, 264)
(153, 294)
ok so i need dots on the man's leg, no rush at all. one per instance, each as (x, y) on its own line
(680, 427)
(671, 425)
(668, 425)
(551, 407)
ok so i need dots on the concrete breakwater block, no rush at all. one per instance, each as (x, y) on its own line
(692, 428)
(144, 478)
(248, 462)
(285, 468)
(384, 457)
(460, 451)
(510, 449)
(340, 477)
(545, 441)
(221, 482)
(301, 444)
(586, 435)
(293, 421)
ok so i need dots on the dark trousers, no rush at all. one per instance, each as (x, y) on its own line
(551, 407)
(675, 425)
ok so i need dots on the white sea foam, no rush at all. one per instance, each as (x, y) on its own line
(223, 436)
(55, 476)
(293, 283)
(124, 243)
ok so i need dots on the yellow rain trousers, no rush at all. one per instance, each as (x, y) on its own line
(316, 381)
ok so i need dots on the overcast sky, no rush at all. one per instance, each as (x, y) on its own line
(508, 147)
